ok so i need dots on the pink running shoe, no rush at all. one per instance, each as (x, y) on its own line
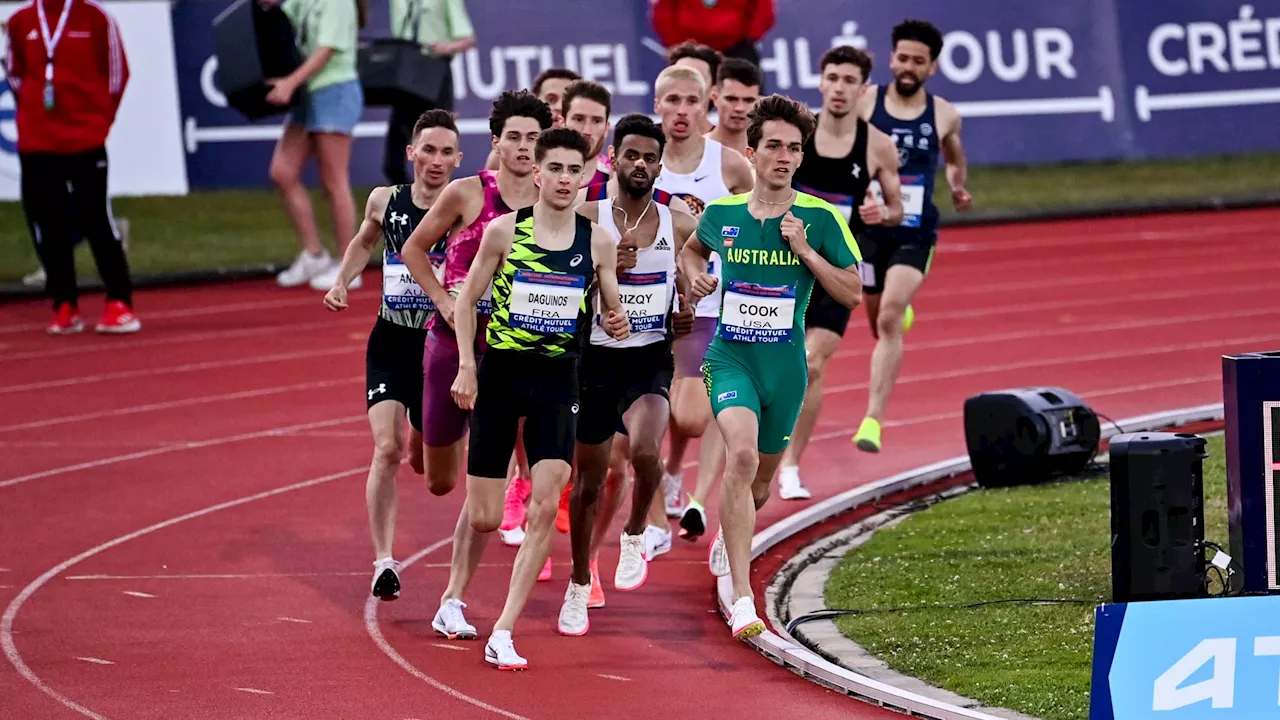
(514, 511)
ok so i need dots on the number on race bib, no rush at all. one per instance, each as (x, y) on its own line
(644, 298)
(546, 303)
(757, 313)
(912, 198)
(400, 291)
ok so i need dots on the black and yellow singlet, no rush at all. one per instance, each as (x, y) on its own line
(540, 296)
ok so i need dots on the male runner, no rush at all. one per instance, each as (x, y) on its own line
(697, 170)
(627, 380)
(393, 360)
(898, 258)
(776, 242)
(706, 61)
(543, 262)
(549, 86)
(736, 91)
(841, 159)
(464, 209)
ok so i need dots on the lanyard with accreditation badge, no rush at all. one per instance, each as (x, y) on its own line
(50, 45)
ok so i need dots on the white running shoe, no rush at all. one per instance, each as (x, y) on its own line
(743, 619)
(657, 540)
(386, 581)
(573, 614)
(450, 622)
(790, 487)
(718, 557)
(633, 569)
(327, 279)
(501, 651)
(305, 267)
(512, 537)
(672, 485)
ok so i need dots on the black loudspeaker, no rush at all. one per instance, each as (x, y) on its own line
(253, 44)
(1028, 435)
(1157, 516)
(392, 71)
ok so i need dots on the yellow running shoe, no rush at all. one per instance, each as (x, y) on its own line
(908, 319)
(868, 437)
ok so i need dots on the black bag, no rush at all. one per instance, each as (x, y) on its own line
(395, 71)
(252, 44)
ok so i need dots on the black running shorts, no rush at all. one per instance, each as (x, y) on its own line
(613, 378)
(393, 367)
(880, 253)
(824, 312)
(514, 384)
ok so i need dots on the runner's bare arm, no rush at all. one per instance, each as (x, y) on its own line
(604, 253)
(693, 261)
(738, 175)
(684, 226)
(356, 258)
(834, 244)
(439, 219)
(679, 205)
(953, 154)
(884, 161)
(494, 245)
(867, 101)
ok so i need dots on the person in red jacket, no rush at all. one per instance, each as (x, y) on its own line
(732, 27)
(67, 69)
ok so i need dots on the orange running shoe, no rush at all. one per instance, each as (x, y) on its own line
(562, 512)
(596, 598)
(66, 320)
(118, 319)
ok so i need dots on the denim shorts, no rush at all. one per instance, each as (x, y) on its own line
(333, 108)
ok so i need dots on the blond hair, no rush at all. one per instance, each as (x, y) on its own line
(676, 73)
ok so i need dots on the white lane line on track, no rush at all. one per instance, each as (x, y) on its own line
(375, 632)
(11, 612)
(1118, 237)
(255, 691)
(1067, 330)
(1114, 301)
(186, 402)
(295, 620)
(1094, 259)
(86, 444)
(281, 431)
(190, 367)
(1047, 362)
(138, 594)
(134, 344)
(96, 661)
(191, 312)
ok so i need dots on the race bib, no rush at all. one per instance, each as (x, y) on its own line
(546, 303)
(644, 298)
(912, 198)
(757, 313)
(400, 291)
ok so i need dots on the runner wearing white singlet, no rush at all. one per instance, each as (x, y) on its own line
(698, 171)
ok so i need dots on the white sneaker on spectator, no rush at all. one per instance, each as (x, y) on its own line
(328, 278)
(35, 279)
(305, 267)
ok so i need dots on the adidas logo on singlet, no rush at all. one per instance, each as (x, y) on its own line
(662, 244)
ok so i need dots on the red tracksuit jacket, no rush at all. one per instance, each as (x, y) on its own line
(90, 74)
(720, 24)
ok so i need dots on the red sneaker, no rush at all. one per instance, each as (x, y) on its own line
(66, 320)
(562, 510)
(118, 319)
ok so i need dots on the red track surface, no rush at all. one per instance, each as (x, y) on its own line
(120, 606)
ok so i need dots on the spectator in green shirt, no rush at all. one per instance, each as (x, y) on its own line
(443, 29)
(323, 121)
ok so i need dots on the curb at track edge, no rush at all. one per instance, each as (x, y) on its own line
(785, 651)
(16, 290)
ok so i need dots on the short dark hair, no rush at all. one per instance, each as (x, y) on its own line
(744, 71)
(589, 90)
(921, 31)
(639, 124)
(518, 103)
(778, 107)
(555, 73)
(697, 51)
(435, 118)
(560, 137)
(847, 55)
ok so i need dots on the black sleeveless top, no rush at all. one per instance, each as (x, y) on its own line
(541, 298)
(843, 182)
(407, 304)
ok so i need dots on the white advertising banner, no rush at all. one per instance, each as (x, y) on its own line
(145, 144)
